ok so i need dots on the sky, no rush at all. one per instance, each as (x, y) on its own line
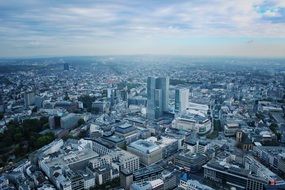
(250, 28)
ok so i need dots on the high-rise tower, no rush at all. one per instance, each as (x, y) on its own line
(181, 99)
(157, 96)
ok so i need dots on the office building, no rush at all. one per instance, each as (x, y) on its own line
(157, 96)
(65, 164)
(137, 101)
(147, 151)
(29, 98)
(250, 163)
(124, 159)
(123, 94)
(105, 174)
(230, 129)
(190, 162)
(233, 176)
(169, 146)
(39, 101)
(148, 173)
(281, 163)
(116, 140)
(77, 181)
(112, 95)
(193, 121)
(126, 179)
(128, 131)
(102, 147)
(181, 99)
(69, 121)
(170, 179)
(270, 155)
(193, 185)
(148, 185)
(66, 66)
(100, 106)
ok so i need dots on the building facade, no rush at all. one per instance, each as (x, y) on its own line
(181, 99)
(157, 96)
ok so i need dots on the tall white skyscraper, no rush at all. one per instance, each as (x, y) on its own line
(157, 96)
(181, 99)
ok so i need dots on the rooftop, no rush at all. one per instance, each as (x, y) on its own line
(192, 117)
(148, 170)
(144, 146)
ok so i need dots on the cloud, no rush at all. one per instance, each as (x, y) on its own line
(271, 13)
(134, 24)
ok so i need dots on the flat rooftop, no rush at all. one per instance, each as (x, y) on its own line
(148, 170)
(144, 146)
(193, 118)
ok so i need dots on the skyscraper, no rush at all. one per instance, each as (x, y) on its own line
(163, 84)
(66, 66)
(181, 99)
(29, 98)
(157, 96)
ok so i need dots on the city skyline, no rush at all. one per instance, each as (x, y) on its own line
(136, 123)
(195, 28)
(142, 95)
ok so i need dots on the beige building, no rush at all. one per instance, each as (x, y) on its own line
(147, 151)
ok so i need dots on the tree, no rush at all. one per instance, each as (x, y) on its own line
(35, 109)
(87, 101)
(259, 115)
(44, 123)
(273, 127)
(217, 125)
(279, 136)
(66, 97)
(45, 139)
(18, 137)
(81, 122)
(82, 134)
(32, 125)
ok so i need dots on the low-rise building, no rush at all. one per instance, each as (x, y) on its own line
(230, 129)
(193, 185)
(148, 185)
(128, 131)
(193, 121)
(148, 173)
(231, 176)
(190, 162)
(147, 151)
(168, 145)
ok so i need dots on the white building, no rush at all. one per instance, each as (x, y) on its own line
(168, 145)
(193, 121)
(193, 185)
(147, 151)
(181, 99)
(65, 164)
(124, 160)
